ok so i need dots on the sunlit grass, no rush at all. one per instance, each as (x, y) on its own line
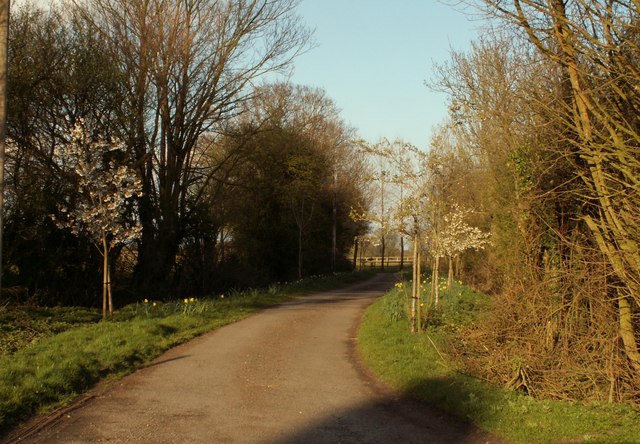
(25, 325)
(53, 367)
(418, 366)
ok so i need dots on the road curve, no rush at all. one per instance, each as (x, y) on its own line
(288, 374)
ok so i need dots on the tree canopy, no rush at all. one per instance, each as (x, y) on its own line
(233, 176)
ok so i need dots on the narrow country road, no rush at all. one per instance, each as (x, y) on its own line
(286, 375)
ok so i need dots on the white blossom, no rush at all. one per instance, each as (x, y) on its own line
(103, 190)
(457, 236)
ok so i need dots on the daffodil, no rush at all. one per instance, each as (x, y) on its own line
(146, 301)
(186, 301)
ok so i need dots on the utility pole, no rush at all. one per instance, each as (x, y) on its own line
(4, 44)
(334, 240)
(383, 224)
(402, 226)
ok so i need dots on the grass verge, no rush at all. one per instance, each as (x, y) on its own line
(417, 365)
(68, 350)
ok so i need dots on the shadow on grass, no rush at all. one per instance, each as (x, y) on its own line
(456, 396)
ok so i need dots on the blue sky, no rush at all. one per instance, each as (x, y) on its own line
(373, 56)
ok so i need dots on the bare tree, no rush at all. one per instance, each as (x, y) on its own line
(546, 114)
(595, 44)
(190, 65)
(405, 169)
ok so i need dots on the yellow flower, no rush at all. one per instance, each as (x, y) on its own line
(146, 301)
(155, 303)
(192, 299)
(186, 301)
(221, 296)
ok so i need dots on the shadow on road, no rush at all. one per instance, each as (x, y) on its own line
(165, 361)
(368, 289)
(390, 420)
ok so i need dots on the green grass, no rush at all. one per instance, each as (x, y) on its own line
(417, 365)
(71, 351)
(21, 326)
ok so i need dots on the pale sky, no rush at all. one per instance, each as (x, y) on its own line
(373, 57)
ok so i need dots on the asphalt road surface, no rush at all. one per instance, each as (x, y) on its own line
(289, 374)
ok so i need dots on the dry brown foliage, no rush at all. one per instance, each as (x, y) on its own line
(555, 337)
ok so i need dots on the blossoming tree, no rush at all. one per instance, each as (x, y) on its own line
(455, 237)
(103, 189)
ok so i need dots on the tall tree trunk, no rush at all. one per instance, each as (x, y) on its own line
(414, 283)
(109, 296)
(209, 262)
(450, 275)
(383, 224)
(334, 218)
(105, 274)
(355, 253)
(419, 288)
(301, 222)
(300, 252)
(157, 251)
(222, 246)
(435, 285)
(626, 322)
(627, 332)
